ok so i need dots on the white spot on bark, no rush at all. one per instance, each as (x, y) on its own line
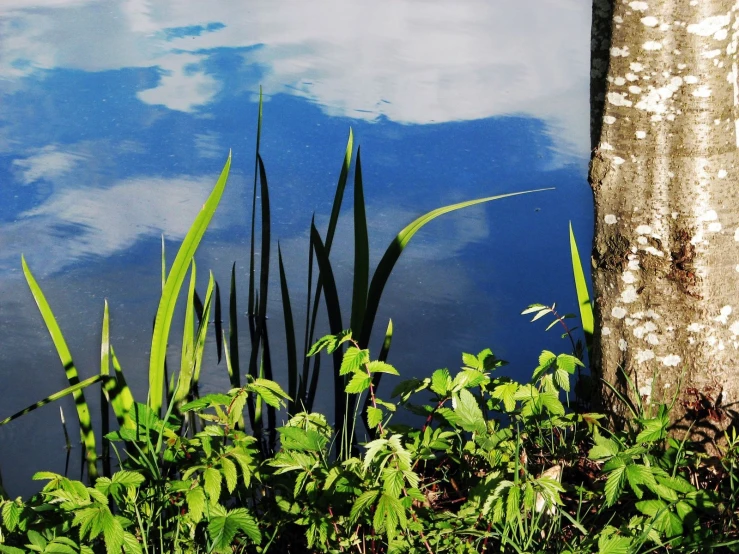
(641, 135)
(618, 312)
(617, 160)
(714, 227)
(671, 360)
(724, 314)
(633, 265)
(633, 89)
(710, 215)
(643, 230)
(618, 99)
(736, 268)
(722, 173)
(649, 21)
(714, 25)
(652, 338)
(653, 251)
(645, 391)
(605, 331)
(611, 219)
(639, 6)
(617, 52)
(651, 314)
(636, 67)
(691, 79)
(701, 92)
(695, 328)
(619, 81)
(652, 45)
(622, 345)
(628, 277)
(642, 240)
(736, 234)
(644, 356)
(734, 328)
(609, 119)
(631, 322)
(681, 66)
(631, 77)
(629, 295)
(711, 54)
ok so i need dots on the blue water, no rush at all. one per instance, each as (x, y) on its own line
(116, 118)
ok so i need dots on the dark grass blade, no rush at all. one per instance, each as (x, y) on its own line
(234, 371)
(172, 288)
(335, 325)
(583, 298)
(264, 254)
(218, 324)
(292, 356)
(73, 390)
(184, 379)
(200, 335)
(308, 338)
(361, 253)
(120, 395)
(252, 267)
(83, 412)
(393, 252)
(104, 401)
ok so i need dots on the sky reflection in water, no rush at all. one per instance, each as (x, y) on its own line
(116, 117)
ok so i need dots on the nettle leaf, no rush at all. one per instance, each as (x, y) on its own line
(604, 447)
(296, 438)
(469, 378)
(228, 469)
(678, 484)
(406, 388)
(441, 382)
(359, 382)
(353, 360)
(374, 417)
(195, 499)
(223, 529)
(568, 362)
(654, 430)
(611, 543)
(663, 519)
(507, 393)
(550, 400)
(212, 484)
(562, 378)
(546, 360)
(362, 503)
(389, 514)
(12, 514)
(467, 413)
(131, 545)
(382, 367)
(373, 448)
(470, 360)
(639, 475)
(614, 485)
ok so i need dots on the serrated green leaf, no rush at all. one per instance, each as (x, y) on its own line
(353, 360)
(212, 484)
(507, 393)
(441, 381)
(467, 413)
(222, 529)
(470, 360)
(195, 499)
(362, 503)
(568, 362)
(374, 417)
(562, 378)
(359, 382)
(613, 544)
(654, 430)
(382, 367)
(228, 468)
(614, 485)
(604, 448)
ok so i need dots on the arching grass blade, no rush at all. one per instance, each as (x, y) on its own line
(361, 252)
(291, 347)
(393, 252)
(234, 371)
(104, 407)
(218, 323)
(583, 298)
(199, 347)
(121, 397)
(172, 288)
(252, 267)
(188, 339)
(83, 412)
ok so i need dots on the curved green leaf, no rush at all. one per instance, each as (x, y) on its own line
(172, 288)
(583, 298)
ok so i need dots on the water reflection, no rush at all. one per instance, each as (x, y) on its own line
(115, 119)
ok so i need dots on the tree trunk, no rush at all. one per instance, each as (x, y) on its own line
(665, 132)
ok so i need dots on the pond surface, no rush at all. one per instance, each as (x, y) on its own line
(116, 118)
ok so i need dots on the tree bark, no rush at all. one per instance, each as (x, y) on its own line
(665, 132)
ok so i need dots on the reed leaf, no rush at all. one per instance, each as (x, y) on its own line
(290, 345)
(188, 339)
(199, 346)
(83, 411)
(252, 266)
(234, 373)
(104, 400)
(361, 252)
(583, 298)
(395, 249)
(73, 390)
(218, 324)
(121, 398)
(172, 288)
(264, 254)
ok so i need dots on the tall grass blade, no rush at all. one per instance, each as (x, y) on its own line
(310, 327)
(393, 252)
(73, 390)
(335, 325)
(104, 400)
(234, 372)
(264, 254)
(218, 324)
(164, 265)
(83, 412)
(199, 345)
(172, 288)
(308, 337)
(121, 397)
(188, 339)
(291, 347)
(361, 252)
(583, 298)
(254, 211)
